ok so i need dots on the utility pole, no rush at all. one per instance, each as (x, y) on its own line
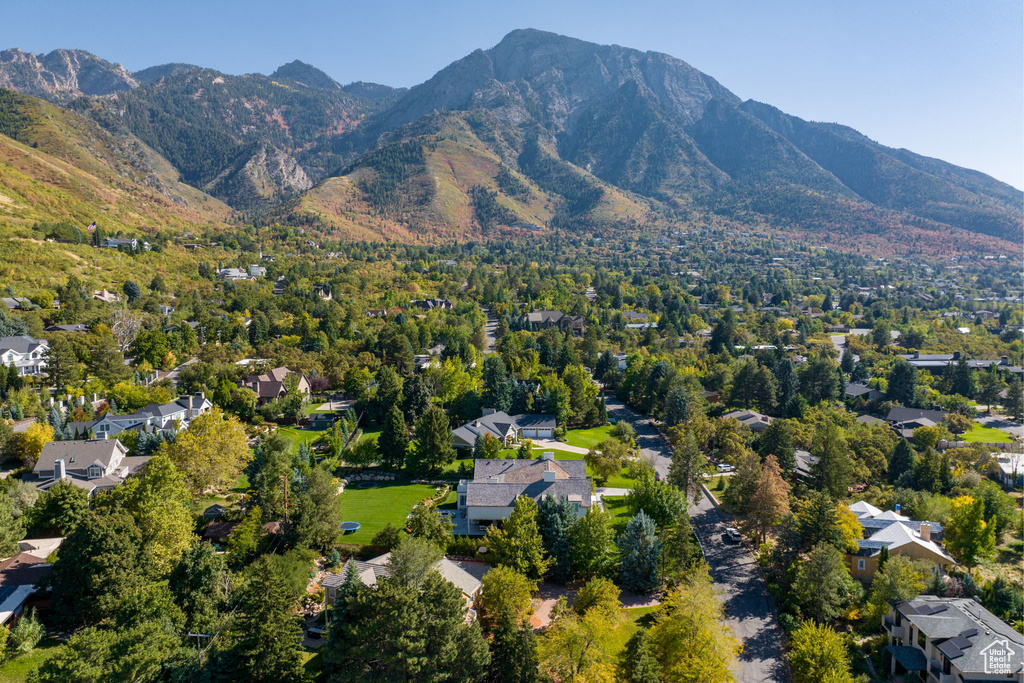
(199, 651)
(284, 491)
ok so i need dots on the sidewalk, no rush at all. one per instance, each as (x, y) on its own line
(558, 445)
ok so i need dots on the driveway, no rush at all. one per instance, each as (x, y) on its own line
(737, 578)
(558, 445)
(490, 329)
(1003, 424)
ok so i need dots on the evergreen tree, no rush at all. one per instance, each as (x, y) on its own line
(11, 529)
(688, 466)
(197, 583)
(555, 519)
(903, 384)
(823, 586)
(679, 547)
(901, 460)
(639, 552)
(132, 291)
(393, 442)
(777, 440)
(677, 405)
(433, 449)
(818, 522)
(62, 364)
(498, 386)
(640, 665)
(513, 652)
(960, 379)
(833, 472)
(317, 518)
(591, 542)
(846, 362)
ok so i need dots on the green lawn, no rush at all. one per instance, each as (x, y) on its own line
(622, 480)
(240, 486)
(980, 432)
(372, 435)
(631, 620)
(17, 670)
(297, 436)
(374, 508)
(587, 438)
(618, 509)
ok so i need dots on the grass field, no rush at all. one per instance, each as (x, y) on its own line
(240, 486)
(374, 508)
(297, 436)
(587, 438)
(982, 433)
(618, 509)
(17, 670)
(632, 619)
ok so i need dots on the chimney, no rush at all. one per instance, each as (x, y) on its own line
(60, 473)
(956, 355)
(549, 473)
(489, 411)
(1004, 360)
(926, 531)
(200, 395)
(548, 455)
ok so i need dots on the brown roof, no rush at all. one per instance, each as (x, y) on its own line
(23, 569)
(219, 529)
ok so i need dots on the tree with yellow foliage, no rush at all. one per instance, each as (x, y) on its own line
(210, 452)
(31, 442)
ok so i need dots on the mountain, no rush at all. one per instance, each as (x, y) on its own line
(540, 131)
(57, 166)
(62, 75)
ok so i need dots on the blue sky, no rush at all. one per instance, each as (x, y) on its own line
(941, 78)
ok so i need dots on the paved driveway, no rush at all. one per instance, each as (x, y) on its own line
(736, 576)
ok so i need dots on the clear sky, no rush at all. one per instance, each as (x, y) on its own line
(941, 78)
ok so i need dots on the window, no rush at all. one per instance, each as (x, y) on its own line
(860, 563)
(922, 640)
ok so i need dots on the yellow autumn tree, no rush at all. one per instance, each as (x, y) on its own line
(31, 442)
(210, 452)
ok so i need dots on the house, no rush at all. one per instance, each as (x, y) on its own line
(233, 274)
(508, 429)
(951, 640)
(431, 304)
(905, 420)
(215, 511)
(20, 574)
(857, 389)
(218, 532)
(544, 320)
(323, 292)
(318, 421)
(155, 417)
(118, 242)
(1011, 469)
(466, 576)
(106, 297)
(93, 464)
(15, 303)
(756, 421)
(26, 354)
(899, 534)
(257, 271)
(275, 384)
(490, 496)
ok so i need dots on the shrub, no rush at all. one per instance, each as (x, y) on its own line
(26, 634)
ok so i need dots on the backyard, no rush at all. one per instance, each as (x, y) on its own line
(374, 507)
(979, 432)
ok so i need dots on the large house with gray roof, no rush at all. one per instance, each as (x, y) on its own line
(155, 417)
(899, 534)
(490, 496)
(951, 640)
(26, 354)
(93, 464)
(508, 429)
(543, 320)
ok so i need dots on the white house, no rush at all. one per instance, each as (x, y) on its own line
(152, 418)
(26, 354)
(92, 464)
(506, 428)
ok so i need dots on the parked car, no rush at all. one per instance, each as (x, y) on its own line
(316, 633)
(733, 534)
(725, 467)
(657, 476)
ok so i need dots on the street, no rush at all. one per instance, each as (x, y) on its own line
(733, 569)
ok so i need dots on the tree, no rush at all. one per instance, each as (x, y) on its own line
(393, 442)
(518, 543)
(11, 530)
(819, 380)
(640, 665)
(677, 406)
(99, 564)
(61, 363)
(505, 591)
(778, 440)
(1014, 401)
(125, 327)
(880, 335)
(833, 472)
(591, 545)
(688, 638)
(317, 518)
(960, 379)
(639, 552)
(606, 459)
(498, 386)
(990, 386)
(162, 510)
(688, 467)
(770, 503)
(410, 626)
(268, 645)
(846, 361)
(818, 521)
(270, 475)
(818, 655)
(659, 500)
(59, 509)
(598, 593)
(823, 586)
(577, 648)
(555, 519)
(433, 449)
(244, 539)
(211, 451)
(31, 442)
(427, 523)
(897, 579)
(968, 536)
(198, 583)
(903, 384)
(901, 460)
(389, 391)
(513, 651)
(743, 482)
(132, 291)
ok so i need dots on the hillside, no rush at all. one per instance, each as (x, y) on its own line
(58, 166)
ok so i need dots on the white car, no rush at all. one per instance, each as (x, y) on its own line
(725, 467)
(733, 534)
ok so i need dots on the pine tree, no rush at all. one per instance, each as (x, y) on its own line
(833, 472)
(517, 543)
(688, 466)
(498, 387)
(513, 652)
(639, 552)
(393, 442)
(555, 519)
(901, 460)
(641, 666)
(433, 449)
